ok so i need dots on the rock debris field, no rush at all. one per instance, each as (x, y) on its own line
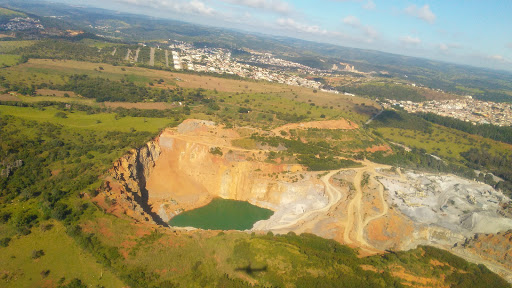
(460, 205)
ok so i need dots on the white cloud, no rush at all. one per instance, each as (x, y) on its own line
(277, 6)
(496, 58)
(509, 45)
(370, 5)
(198, 7)
(445, 47)
(189, 7)
(369, 31)
(409, 40)
(352, 21)
(423, 13)
(499, 59)
(291, 24)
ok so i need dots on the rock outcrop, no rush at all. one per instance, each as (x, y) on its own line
(125, 186)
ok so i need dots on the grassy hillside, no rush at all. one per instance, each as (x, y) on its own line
(460, 151)
(61, 260)
(7, 14)
(67, 133)
(61, 165)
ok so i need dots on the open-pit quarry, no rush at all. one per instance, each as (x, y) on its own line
(373, 207)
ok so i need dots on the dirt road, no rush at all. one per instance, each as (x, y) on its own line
(334, 196)
(152, 57)
(355, 222)
(136, 58)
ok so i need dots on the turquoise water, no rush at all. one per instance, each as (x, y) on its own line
(222, 214)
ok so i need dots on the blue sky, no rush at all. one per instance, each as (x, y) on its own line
(470, 32)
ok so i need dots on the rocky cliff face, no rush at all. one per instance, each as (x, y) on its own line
(178, 172)
(125, 187)
(188, 175)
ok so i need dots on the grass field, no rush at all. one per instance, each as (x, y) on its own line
(42, 70)
(9, 60)
(98, 122)
(8, 12)
(444, 142)
(62, 257)
(9, 46)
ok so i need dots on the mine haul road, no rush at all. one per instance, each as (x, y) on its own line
(355, 221)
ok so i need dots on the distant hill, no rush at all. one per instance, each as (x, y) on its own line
(7, 14)
(485, 84)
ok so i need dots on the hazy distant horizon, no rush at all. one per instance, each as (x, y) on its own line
(471, 33)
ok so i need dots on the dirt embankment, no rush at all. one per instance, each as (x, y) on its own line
(184, 168)
(329, 124)
(496, 248)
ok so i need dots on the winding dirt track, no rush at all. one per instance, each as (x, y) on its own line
(334, 197)
(355, 222)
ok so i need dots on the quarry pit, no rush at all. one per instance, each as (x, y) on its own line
(373, 207)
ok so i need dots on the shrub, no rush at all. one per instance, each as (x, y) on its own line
(4, 242)
(45, 273)
(37, 254)
(61, 114)
(216, 151)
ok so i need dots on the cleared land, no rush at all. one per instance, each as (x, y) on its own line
(9, 97)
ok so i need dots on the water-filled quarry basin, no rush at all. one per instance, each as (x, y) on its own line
(222, 214)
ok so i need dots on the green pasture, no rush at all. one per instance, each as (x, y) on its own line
(7, 60)
(10, 46)
(62, 258)
(444, 142)
(98, 122)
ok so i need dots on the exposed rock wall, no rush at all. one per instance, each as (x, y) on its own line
(177, 172)
(188, 176)
(125, 187)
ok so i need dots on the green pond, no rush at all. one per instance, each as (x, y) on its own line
(222, 214)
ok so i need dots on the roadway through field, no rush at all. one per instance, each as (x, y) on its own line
(136, 58)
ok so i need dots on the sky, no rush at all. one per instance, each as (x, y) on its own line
(477, 33)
